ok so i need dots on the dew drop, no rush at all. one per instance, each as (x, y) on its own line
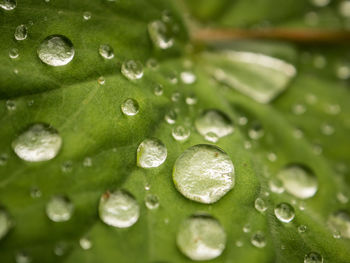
(60, 249)
(276, 186)
(327, 129)
(284, 212)
(87, 162)
(21, 32)
(340, 221)
(247, 228)
(35, 193)
(106, 51)
(298, 109)
(151, 201)
(130, 107)
(8, 4)
(85, 243)
(39, 142)
(191, 100)
(101, 80)
(10, 105)
(260, 205)
(5, 222)
(201, 237)
(188, 77)
(13, 53)
(67, 167)
(59, 209)
(118, 209)
(171, 117)
(158, 90)
(151, 153)
(302, 229)
(181, 133)
(204, 173)
(298, 180)
(256, 131)
(87, 15)
(152, 63)
(3, 159)
(132, 69)
(313, 257)
(56, 50)
(320, 3)
(22, 257)
(160, 34)
(213, 121)
(258, 240)
(342, 198)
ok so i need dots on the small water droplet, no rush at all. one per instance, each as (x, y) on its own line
(160, 34)
(332, 109)
(298, 109)
(130, 107)
(340, 221)
(247, 228)
(13, 53)
(152, 63)
(204, 173)
(343, 71)
(87, 15)
(284, 212)
(171, 117)
(188, 77)
(60, 249)
(297, 133)
(181, 133)
(85, 243)
(311, 98)
(39, 142)
(327, 129)
(258, 240)
(101, 80)
(106, 51)
(35, 192)
(256, 131)
(10, 105)
(22, 257)
(151, 153)
(302, 229)
(132, 69)
(87, 162)
(336, 234)
(59, 209)
(151, 201)
(260, 205)
(158, 90)
(313, 257)
(21, 32)
(5, 222)
(276, 186)
(247, 145)
(118, 209)
(3, 159)
(342, 198)
(239, 243)
(298, 180)
(201, 237)
(320, 3)
(175, 97)
(8, 4)
(272, 157)
(56, 50)
(191, 99)
(67, 166)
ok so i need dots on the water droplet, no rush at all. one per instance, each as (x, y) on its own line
(106, 51)
(276, 186)
(320, 3)
(87, 15)
(119, 209)
(336, 234)
(204, 173)
(340, 221)
(272, 157)
(201, 237)
(35, 192)
(313, 257)
(130, 107)
(298, 180)
(188, 77)
(327, 129)
(132, 69)
(258, 240)
(297, 133)
(181, 133)
(151, 153)
(214, 121)
(22, 257)
(56, 50)
(10, 105)
(311, 98)
(344, 8)
(260, 205)
(60, 249)
(319, 61)
(67, 167)
(59, 209)
(343, 71)
(8, 4)
(191, 100)
(175, 97)
(242, 120)
(247, 145)
(256, 131)
(101, 80)
(171, 117)
(151, 201)
(21, 32)
(160, 34)
(239, 243)
(332, 109)
(298, 109)
(247, 228)
(342, 198)
(152, 63)
(158, 90)
(284, 212)
(3, 159)
(302, 229)
(87, 162)
(85, 243)
(39, 142)
(13, 53)
(5, 222)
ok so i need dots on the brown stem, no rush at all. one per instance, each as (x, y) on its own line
(306, 36)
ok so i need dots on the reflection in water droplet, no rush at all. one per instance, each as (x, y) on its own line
(181, 133)
(258, 240)
(284, 212)
(130, 107)
(101, 80)
(87, 15)
(160, 34)
(8, 4)
(151, 153)
(201, 237)
(204, 173)
(213, 121)
(313, 257)
(340, 221)
(39, 142)
(260, 205)
(21, 32)
(59, 209)
(132, 69)
(106, 51)
(298, 180)
(85, 243)
(5, 222)
(171, 117)
(151, 201)
(56, 50)
(118, 209)
(13, 53)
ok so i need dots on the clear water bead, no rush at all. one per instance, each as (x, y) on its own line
(118, 209)
(106, 51)
(59, 209)
(8, 4)
(132, 69)
(340, 221)
(201, 237)
(56, 50)
(258, 240)
(151, 153)
(260, 205)
(188, 77)
(160, 34)
(181, 133)
(313, 257)
(130, 107)
(204, 173)
(85, 243)
(151, 201)
(21, 32)
(22, 257)
(284, 212)
(5, 222)
(39, 142)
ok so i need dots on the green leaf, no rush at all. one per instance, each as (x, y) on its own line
(88, 117)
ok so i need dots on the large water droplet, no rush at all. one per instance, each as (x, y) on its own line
(21, 32)
(160, 34)
(151, 153)
(340, 221)
(8, 4)
(5, 222)
(258, 240)
(56, 50)
(313, 257)
(201, 237)
(39, 142)
(299, 181)
(284, 212)
(106, 51)
(130, 107)
(119, 209)
(132, 69)
(214, 121)
(203, 173)
(59, 209)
